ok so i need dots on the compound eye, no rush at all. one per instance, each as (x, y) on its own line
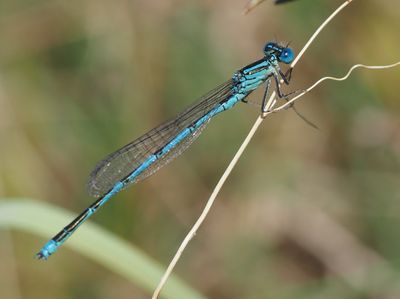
(287, 56)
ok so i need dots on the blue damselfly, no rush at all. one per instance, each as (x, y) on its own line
(145, 155)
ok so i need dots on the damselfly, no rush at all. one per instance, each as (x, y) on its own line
(145, 155)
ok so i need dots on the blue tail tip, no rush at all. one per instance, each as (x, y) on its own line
(48, 249)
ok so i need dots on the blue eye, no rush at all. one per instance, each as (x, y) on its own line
(287, 56)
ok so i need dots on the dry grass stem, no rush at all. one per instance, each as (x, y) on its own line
(271, 102)
(250, 5)
(319, 29)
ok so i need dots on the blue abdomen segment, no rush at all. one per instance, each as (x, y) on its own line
(51, 246)
(48, 249)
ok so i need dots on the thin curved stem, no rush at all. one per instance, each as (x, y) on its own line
(271, 102)
(294, 99)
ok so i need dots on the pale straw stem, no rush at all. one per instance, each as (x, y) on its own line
(271, 102)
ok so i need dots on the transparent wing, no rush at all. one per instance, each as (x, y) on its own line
(118, 165)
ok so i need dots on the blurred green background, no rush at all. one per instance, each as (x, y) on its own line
(306, 213)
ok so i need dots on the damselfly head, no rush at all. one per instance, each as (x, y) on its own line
(283, 53)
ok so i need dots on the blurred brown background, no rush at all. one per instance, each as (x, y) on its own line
(306, 213)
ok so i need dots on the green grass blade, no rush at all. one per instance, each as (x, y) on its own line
(93, 242)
